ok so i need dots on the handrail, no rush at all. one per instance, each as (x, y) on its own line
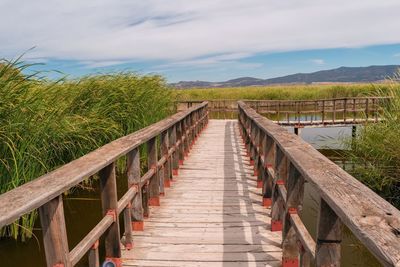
(299, 113)
(176, 134)
(284, 163)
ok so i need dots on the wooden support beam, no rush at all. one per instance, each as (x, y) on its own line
(154, 184)
(134, 179)
(329, 237)
(54, 233)
(109, 203)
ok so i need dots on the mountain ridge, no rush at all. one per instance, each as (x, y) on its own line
(373, 73)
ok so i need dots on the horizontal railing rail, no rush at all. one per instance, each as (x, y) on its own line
(283, 163)
(172, 136)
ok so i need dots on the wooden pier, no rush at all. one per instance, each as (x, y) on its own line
(212, 215)
(210, 193)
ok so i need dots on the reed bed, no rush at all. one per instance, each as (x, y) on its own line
(376, 149)
(45, 124)
(295, 92)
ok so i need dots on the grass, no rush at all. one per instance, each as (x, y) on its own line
(295, 92)
(45, 124)
(376, 150)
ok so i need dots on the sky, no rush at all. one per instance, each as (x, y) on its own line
(213, 40)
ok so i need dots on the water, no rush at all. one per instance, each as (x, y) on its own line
(83, 210)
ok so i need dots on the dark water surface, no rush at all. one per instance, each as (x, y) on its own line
(83, 210)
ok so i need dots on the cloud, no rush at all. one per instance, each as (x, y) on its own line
(107, 32)
(318, 61)
(397, 55)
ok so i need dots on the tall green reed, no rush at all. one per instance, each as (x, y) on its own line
(45, 124)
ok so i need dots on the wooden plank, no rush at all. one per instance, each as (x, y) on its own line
(212, 213)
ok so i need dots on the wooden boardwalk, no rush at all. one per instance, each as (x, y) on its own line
(212, 215)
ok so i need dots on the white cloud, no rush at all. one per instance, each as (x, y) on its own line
(108, 32)
(397, 55)
(318, 61)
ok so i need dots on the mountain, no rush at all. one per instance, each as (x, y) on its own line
(339, 75)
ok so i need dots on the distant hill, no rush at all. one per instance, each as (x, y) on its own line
(339, 75)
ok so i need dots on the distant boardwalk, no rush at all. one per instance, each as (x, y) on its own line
(212, 215)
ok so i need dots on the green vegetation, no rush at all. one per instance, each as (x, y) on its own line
(296, 92)
(376, 150)
(46, 124)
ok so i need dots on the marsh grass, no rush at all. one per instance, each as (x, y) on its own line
(295, 92)
(45, 124)
(376, 150)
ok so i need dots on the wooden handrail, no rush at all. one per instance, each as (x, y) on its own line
(177, 133)
(283, 163)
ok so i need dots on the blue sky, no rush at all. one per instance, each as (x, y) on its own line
(210, 40)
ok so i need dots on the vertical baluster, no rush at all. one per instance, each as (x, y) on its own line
(354, 109)
(345, 110)
(179, 136)
(277, 209)
(154, 184)
(108, 187)
(269, 159)
(294, 202)
(164, 177)
(134, 179)
(323, 111)
(128, 227)
(329, 236)
(334, 111)
(171, 144)
(94, 260)
(54, 233)
(366, 108)
(175, 155)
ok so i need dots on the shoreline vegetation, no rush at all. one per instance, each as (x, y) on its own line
(45, 124)
(287, 92)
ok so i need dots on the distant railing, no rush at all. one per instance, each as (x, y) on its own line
(172, 137)
(283, 163)
(300, 113)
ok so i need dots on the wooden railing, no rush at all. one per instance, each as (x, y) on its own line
(172, 137)
(283, 164)
(335, 111)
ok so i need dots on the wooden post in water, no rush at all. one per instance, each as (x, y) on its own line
(154, 184)
(108, 187)
(54, 233)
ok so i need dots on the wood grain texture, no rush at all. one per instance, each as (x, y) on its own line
(212, 215)
(374, 221)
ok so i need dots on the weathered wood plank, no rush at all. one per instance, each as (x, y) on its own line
(212, 213)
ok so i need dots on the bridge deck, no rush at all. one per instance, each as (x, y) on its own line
(212, 215)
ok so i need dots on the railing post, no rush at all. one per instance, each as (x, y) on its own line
(94, 260)
(269, 160)
(154, 184)
(323, 111)
(171, 144)
(334, 111)
(294, 202)
(277, 210)
(164, 176)
(181, 149)
(108, 187)
(175, 155)
(134, 179)
(54, 233)
(329, 237)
